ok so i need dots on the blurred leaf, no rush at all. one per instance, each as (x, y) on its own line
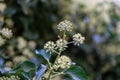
(1, 24)
(1, 61)
(40, 72)
(43, 53)
(25, 21)
(77, 73)
(10, 10)
(27, 66)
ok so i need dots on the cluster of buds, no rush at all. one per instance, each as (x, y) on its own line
(49, 46)
(61, 44)
(78, 39)
(63, 62)
(65, 26)
(5, 34)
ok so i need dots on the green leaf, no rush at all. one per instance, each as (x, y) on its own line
(40, 72)
(26, 69)
(26, 66)
(26, 75)
(43, 53)
(76, 73)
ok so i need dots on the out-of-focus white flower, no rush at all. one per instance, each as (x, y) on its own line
(28, 53)
(22, 43)
(9, 22)
(7, 33)
(61, 44)
(49, 46)
(18, 59)
(65, 26)
(32, 44)
(2, 6)
(78, 39)
(2, 41)
(63, 62)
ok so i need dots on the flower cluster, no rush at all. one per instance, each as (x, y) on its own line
(63, 62)
(10, 78)
(49, 46)
(78, 39)
(61, 44)
(65, 26)
(7, 33)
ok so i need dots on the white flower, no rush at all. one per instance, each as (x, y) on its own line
(2, 41)
(7, 33)
(22, 43)
(63, 62)
(78, 39)
(49, 46)
(65, 26)
(61, 44)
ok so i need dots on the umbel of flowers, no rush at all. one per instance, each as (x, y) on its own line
(61, 62)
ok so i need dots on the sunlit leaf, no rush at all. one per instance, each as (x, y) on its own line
(43, 53)
(40, 72)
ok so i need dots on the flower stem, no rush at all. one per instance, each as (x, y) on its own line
(57, 74)
(49, 64)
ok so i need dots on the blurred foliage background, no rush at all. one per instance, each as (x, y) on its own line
(34, 22)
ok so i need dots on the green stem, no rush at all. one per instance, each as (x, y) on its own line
(56, 52)
(57, 57)
(57, 74)
(49, 77)
(64, 35)
(70, 42)
(49, 64)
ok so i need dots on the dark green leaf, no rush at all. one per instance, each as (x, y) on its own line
(26, 75)
(76, 73)
(26, 69)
